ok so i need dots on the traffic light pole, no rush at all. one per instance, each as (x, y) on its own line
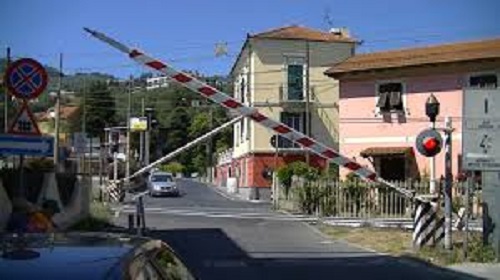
(432, 167)
(448, 185)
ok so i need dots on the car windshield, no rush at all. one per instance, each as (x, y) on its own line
(161, 178)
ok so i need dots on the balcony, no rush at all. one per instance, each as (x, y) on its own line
(293, 99)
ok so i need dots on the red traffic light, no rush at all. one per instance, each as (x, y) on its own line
(429, 143)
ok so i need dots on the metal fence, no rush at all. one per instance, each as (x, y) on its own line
(364, 200)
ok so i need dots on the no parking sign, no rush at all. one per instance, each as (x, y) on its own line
(26, 78)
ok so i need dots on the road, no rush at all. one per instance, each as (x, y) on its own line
(219, 238)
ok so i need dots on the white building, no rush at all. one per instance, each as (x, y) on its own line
(157, 82)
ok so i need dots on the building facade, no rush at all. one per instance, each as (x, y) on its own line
(281, 73)
(157, 82)
(383, 96)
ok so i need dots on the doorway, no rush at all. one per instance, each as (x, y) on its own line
(393, 168)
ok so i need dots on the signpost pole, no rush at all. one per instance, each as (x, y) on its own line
(58, 114)
(466, 214)
(127, 153)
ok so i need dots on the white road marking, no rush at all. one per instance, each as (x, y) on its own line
(225, 213)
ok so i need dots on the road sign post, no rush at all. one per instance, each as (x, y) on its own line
(25, 79)
(481, 132)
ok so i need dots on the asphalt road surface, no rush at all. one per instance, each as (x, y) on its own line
(219, 238)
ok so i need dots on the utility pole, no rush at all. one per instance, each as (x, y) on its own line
(448, 185)
(84, 122)
(308, 101)
(147, 138)
(141, 135)
(127, 168)
(209, 144)
(58, 114)
(6, 99)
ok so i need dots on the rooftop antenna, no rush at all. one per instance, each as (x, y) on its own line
(327, 18)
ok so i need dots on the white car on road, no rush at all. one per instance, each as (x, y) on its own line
(162, 183)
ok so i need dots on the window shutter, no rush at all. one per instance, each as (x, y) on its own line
(395, 100)
(382, 100)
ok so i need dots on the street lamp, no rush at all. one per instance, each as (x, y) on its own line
(432, 108)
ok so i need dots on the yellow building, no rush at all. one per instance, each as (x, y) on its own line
(281, 72)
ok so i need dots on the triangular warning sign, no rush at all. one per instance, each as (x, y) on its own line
(24, 123)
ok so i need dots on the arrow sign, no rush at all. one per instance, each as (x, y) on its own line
(26, 145)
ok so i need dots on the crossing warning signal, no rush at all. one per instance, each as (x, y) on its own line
(429, 143)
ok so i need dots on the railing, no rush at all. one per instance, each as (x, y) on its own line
(284, 96)
(358, 199)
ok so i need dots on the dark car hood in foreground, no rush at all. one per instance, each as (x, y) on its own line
(65, 256)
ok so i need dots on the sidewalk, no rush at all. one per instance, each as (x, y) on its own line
(231, 196)
(482, 270)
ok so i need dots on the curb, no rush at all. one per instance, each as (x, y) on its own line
(222, 193)
(233, 197)
(326, 237)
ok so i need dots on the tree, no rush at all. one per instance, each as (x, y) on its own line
(100, 106)
(173, 167)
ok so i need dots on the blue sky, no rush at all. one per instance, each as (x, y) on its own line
(187, 30)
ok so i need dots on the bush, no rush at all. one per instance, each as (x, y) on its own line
(173, 167)
(309, 197)
(297, 168)
(479, 252)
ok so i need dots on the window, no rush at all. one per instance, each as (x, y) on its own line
(161, 178)
(295, 78)
(483, 81)
(242, 130)
(248, 128)
(236, 134)
(295, 121)
(390, 97)
(242, 89)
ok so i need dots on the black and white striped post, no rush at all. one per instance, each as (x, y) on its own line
(428, 227)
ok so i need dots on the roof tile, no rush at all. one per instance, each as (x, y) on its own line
(295, 32)
(464, 51)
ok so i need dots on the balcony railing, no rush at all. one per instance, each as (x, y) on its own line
(286, 96)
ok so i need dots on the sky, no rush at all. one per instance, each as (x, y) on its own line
(185, 32)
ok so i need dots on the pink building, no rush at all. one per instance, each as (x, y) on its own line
(383, 95)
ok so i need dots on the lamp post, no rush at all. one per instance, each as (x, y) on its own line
(432, 111)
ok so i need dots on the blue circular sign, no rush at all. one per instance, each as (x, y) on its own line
(26, 78)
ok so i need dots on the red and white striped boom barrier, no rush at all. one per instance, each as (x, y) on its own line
(225, 100)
